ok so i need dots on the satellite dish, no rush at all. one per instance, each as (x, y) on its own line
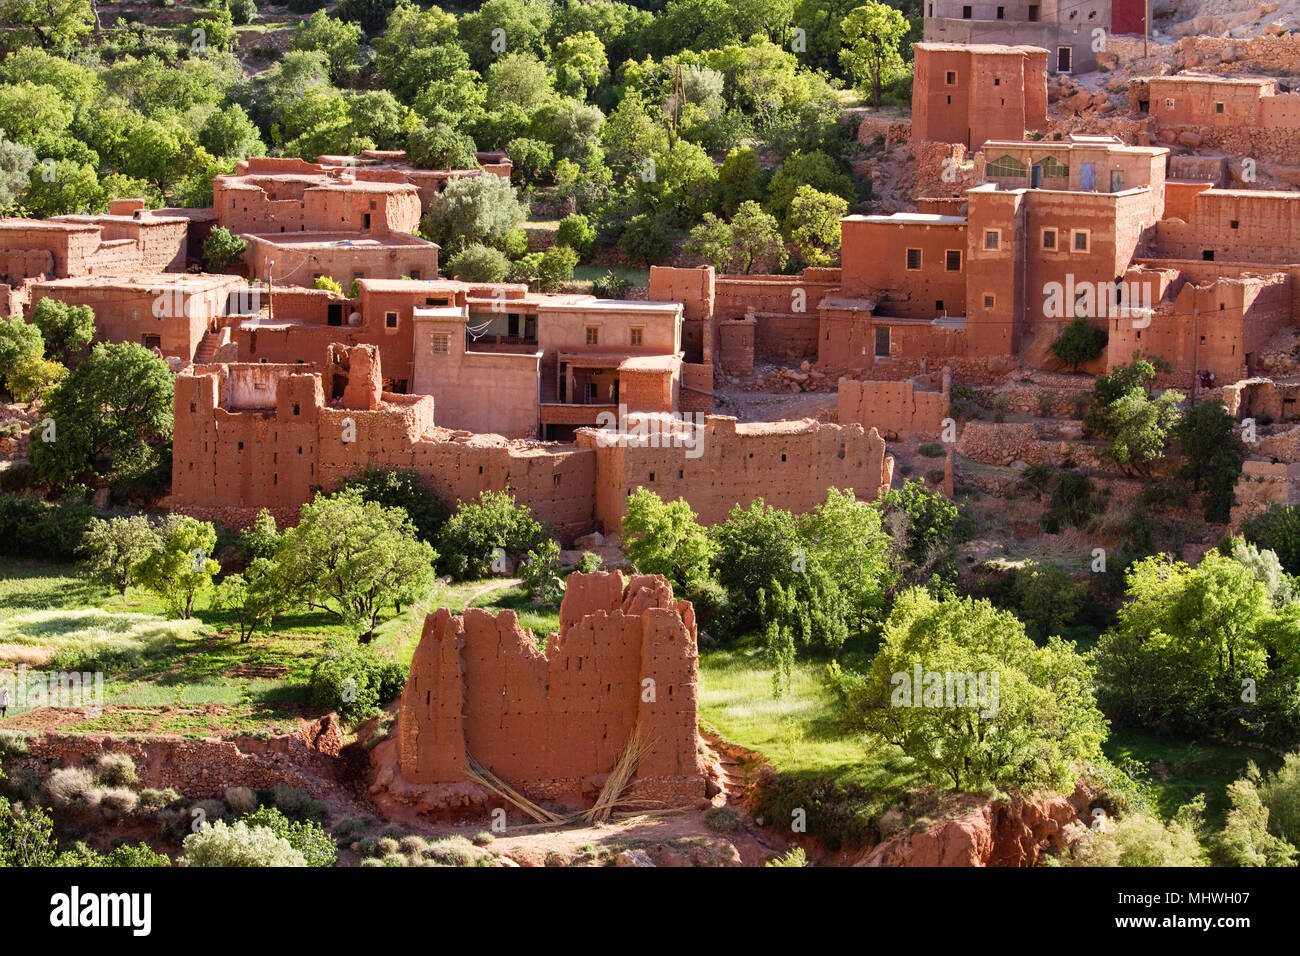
(354, 319)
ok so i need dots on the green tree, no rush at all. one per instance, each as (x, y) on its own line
(777, 586)
(555, 268)
(664, 538)
(478, 263)
(441, 147)
(847, 538)
(531, 160)
(16, 163)
(480, 531)
(813, 225)
(253, 599)
(1047, 599)
(114, 550)
(540, 572)
(339, 40)
(801, 170)
(874, 33)
(473, 209)
(738, 179)
(1029, 729)
(399, 488)
(69, 187)
(21, 343)
(112, 417)
(1277, 529)
(66, 329)
(49, 24)
(926, 528)
(1186, 643)
(222, 249)
(711, 241)
(646, 239)
(179, 564)
(308, 837)
(756, 239)
(1245, 839)
(580, 63)
(1079, 342)
(1136, 424)
(1213, 457)
(576, 232)
(353, 558)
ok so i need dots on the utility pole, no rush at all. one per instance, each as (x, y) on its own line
(1146, 28)
(1196, 341)
(270, 290)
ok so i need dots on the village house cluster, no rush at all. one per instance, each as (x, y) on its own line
(283, 387)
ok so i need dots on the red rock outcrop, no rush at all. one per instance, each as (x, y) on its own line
(996, 833)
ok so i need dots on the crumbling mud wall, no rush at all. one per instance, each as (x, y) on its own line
(895, 408)
(552, 724)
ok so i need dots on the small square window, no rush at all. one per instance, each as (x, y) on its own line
(992, 240)
(989, 301)
(1081, 238)
(938, 306)
(1234, 224)
(1169, 104)
(952, 260)
(593, 335)
(440, 343)
(913, 260)
(997, 81)
(390, 320)
(950, 78)
(638, 335)
(1218, 108)
(1049, 239)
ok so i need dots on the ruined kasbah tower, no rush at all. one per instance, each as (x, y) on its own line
(552, 724)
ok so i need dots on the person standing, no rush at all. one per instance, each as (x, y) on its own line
(4, 700)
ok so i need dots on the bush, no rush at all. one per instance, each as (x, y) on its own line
(589, 562)
(469, 541)
(932, 449)
(397, 488)
(152, 799)
(723, 819)
(116, 770)
(478, 263)
(795, 857)
(576, 233)
(453, 851)
(70, 788)
(242, 800)
(239, 845)
(117, 802)
(354, 680)
(307, 837)
(297, 803)
(610, 286)
(327, 284)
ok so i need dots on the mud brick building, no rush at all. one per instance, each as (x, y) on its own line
(555, 723)
(1067, 29)
(175, 313)
(261, 435)
(305, 220)
(380, 165)
(970, 94)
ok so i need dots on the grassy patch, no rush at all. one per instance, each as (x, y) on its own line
(591, 272)
(1178, 770)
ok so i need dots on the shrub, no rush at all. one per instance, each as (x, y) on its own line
(610, 286)
(239, 845)
(932, 449)
(386, 846)
(116, 770)
(151, 799)
(468, 542)
(723, 819)
(590, 562)
(241, 799)
(13, 743)
(117, 801)
(1141, 840)
(354, 680)
(453, 851)
(412, 845)
(348, 831)
(795, 857)
(483, 838)
(297, 803)
(576, 233)
(328, 284)
(307, 837)
(71, 787)
(478, 263)
(1079, 342)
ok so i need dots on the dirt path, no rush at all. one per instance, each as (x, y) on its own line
(488, 588)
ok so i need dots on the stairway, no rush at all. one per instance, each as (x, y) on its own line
(208, 346)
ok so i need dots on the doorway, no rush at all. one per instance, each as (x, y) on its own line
(1064, 58)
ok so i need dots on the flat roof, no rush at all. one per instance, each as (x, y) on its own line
(338, 240)
(145, 281)
(910, 218)
(613, 305)
(1211, 79)
(1107, 143)
(50, 225)
(985, 48)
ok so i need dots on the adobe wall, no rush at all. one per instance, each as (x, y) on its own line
(1235, 225)
(875, 264)
(553, 724)
(785, 307)
(894, 408)
(696, 392)
(199, 769)
(998, 93)
(736, 345)
(788, 464)
(230, 463)
(299, 262)
(694, 289)
(1004, 443)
